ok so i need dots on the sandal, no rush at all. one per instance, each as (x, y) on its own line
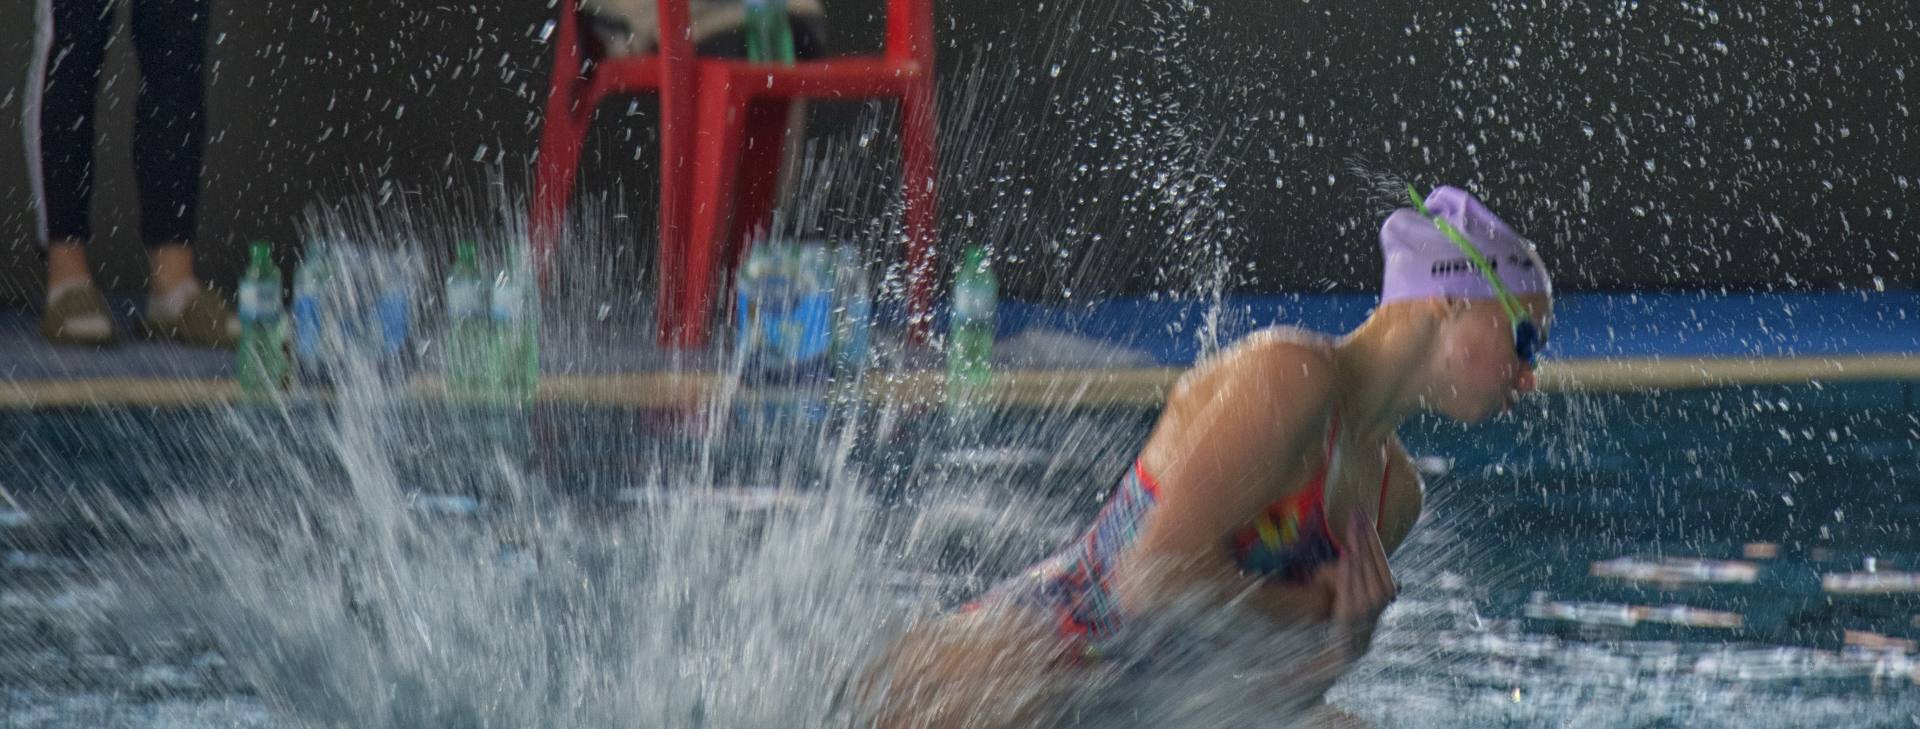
(204, 322)
(79, 317)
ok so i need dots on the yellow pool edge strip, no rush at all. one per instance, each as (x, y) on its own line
(115, 391)
(1142, 387)
(1656, 373)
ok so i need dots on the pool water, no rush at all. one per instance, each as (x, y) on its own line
(384, 563)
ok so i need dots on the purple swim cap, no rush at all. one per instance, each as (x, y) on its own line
(1423, 263)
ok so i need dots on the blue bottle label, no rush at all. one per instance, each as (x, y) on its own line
(395, 321)
(306, 326)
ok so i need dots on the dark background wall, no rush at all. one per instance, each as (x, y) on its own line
(1157, 146)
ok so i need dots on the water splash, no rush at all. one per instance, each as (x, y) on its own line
(380, 560)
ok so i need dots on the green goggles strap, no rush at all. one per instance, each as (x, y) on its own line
(1508, 301)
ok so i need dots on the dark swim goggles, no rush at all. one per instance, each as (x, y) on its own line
(1527, 341)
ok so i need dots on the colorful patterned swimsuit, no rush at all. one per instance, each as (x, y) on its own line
(1288, 542)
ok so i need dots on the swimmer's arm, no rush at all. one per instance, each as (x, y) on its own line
(1228, 460)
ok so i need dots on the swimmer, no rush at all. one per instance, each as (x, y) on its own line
(1273, 480)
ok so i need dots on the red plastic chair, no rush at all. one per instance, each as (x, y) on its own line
(726, 117)
(579, 83)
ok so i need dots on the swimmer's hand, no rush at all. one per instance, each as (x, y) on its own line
(1362, 584)
(1356, 590)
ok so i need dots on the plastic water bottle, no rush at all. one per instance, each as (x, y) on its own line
(776, 303)
(811, 332)
(310, 314)
(393, 311)
(976, 294)
(853, 314)
(469, 325)
(769, 34)
(750, 304)
(516, 345)
(262, 367)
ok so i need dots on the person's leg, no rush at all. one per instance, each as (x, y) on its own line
(169, 131)
(70, 43)
(67, 264)
(169, 137)
(170, 269)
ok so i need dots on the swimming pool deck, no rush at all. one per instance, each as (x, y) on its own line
(1126, 351)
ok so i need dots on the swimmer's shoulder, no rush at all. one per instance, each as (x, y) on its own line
(1289, 344)
(1273, 350)
(1293, 360)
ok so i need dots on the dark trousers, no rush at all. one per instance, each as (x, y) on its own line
(170, 113)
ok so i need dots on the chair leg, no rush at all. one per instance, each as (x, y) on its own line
(767, 126)
(679, 113)
(676, 147)
(560, 145)
(919, 158)
(720, 124)
(561, 139)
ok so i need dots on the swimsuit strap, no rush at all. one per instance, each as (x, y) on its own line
(1317, 489)
(1386, 473)
(1333, 433)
